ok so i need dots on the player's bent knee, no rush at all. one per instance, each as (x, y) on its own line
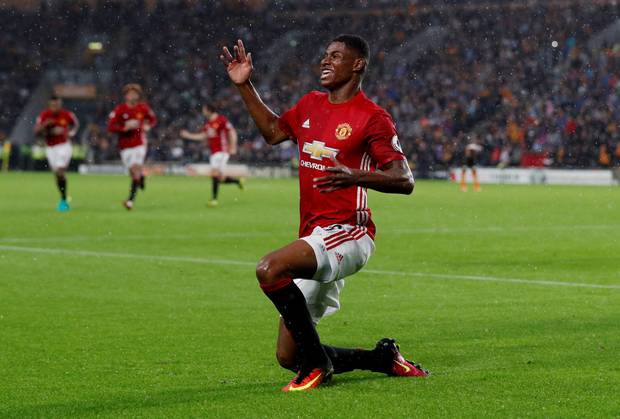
(268, 270)
(135, 172)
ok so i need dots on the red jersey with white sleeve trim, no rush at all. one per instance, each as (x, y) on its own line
(360, 133)
(61, 123)
(217, 133)
(124, 113)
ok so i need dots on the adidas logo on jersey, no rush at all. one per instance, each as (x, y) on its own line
(339, 257)
(306, 123)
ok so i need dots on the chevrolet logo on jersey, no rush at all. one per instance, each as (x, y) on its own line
(317, 150)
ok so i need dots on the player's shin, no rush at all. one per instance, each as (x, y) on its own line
(215, 187)
(474, 174)
(135, 184)
(345, 360)
(61, 182)
(231, 180)
(291, 304)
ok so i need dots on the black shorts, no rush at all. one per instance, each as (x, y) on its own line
(469, 162)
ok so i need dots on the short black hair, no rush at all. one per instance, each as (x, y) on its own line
(210, 107)
(357, 44)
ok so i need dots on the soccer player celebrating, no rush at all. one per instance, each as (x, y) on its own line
(469, 161)
(221, 138)
(346, 144)
(58, 125)
(131, 121)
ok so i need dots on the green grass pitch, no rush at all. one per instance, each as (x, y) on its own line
(157, 313)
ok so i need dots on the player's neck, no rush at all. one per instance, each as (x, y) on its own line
(213, 116)
(344, 93)
(131, 104)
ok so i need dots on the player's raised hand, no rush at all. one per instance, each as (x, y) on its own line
(341, 177)
(239, 66)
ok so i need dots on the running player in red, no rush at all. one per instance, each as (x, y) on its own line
(131, 121)
(221, 138)
(346, 144)
(58, 125)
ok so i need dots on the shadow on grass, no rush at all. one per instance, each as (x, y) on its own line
(143, 400)
(344, 379)
(167, 398)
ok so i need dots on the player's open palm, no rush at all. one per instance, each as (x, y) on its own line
(239, 66)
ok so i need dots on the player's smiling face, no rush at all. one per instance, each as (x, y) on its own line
(55, 105)
(338, 65)
(132, 97)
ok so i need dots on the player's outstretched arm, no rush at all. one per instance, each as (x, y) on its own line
(394, 177)
(233, 140)
(75, 125)
(239, 68)
(193, 136)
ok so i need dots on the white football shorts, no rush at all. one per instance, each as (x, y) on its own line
(59, 155)
(219, 160)
(340, 250)
(133, 156)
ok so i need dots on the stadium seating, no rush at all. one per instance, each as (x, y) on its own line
(521, 80)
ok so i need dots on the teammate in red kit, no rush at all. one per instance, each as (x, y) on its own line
(346, 144)
(58, 125)
(131, 121)
(221, 138)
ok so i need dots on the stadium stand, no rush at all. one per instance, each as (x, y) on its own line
(521, 80)
(30, 42)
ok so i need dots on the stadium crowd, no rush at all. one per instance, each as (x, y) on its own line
(521, 81)
(29, 43)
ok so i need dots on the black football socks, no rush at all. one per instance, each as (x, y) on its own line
(231, 180)
(135, 184)
(215, 188)
(61, 182)
(142, 182)
(345, 360)
(216, 184)
(291, 304)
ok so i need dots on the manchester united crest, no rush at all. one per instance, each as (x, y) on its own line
(343, 131)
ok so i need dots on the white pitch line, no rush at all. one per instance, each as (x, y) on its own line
(233, 234)
(188, 259)
(492, 279)
(500, 229)
(108, 237)
(207, 261)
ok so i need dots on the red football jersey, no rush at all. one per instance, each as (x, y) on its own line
(123, 113)
(217, 134)
(360, 133)
(58, 131)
